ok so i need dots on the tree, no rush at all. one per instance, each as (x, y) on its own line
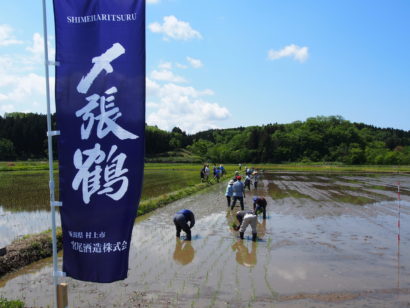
(7, 150)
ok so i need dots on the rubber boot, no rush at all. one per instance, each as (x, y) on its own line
(254, 237)
(188, 236)
(241, 235)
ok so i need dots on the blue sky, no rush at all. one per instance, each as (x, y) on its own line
(219, 64)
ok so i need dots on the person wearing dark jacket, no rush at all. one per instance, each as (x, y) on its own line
(259, 205)
(246, 218)
(181, 220)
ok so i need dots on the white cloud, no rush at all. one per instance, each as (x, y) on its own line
(23, 88)
(298, 53)
(185, 107)
(152, 88)
(166, 75)
(6, 36)
(22, 85)
(175, 29)
(152, 104)
(179, 65)
(195, 63)
(26, 92)
(165, 65)
(6, 108)
(37, 49)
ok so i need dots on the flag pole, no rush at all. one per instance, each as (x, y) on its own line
(50, 134)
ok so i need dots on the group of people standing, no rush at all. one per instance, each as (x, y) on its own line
(218, 172)
(235, 191)
(236, 188)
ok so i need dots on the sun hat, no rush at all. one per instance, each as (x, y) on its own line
(231, 182)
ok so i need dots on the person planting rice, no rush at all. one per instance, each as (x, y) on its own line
(181, 220)
(259, 205)
(246, 218)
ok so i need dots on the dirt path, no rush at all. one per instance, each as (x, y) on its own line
(317, 248)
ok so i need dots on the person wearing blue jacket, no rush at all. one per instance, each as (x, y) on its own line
(238, 192)
(181, 220)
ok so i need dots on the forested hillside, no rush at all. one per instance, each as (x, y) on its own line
(327, 139)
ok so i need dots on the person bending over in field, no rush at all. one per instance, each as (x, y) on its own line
(181, 220)
(259, 205)
(246, 218)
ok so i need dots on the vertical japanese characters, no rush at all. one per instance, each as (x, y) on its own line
(101, 172)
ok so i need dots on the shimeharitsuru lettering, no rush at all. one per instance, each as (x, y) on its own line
(101, 17)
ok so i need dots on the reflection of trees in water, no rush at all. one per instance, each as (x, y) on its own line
(184, 252)
(243, 255)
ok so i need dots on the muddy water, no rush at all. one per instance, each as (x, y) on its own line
(16, 224)
(328, 241)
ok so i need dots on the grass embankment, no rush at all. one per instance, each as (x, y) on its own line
(5, 303)
(28, 249)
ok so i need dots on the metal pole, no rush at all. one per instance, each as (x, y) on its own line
(398, 238)
(50, 160)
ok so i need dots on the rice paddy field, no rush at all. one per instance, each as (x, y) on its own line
(330, 240)
(24, 193)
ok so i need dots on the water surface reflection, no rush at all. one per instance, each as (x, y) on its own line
(184, 252)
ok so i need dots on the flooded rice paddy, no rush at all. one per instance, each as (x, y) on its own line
(329, 241)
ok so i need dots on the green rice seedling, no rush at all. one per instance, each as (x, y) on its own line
(271, 290)
(213, 299)
(198, 292)
(269, 244)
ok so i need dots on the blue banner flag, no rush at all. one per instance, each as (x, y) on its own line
(100, 106)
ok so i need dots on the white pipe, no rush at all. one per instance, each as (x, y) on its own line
(50, 159)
